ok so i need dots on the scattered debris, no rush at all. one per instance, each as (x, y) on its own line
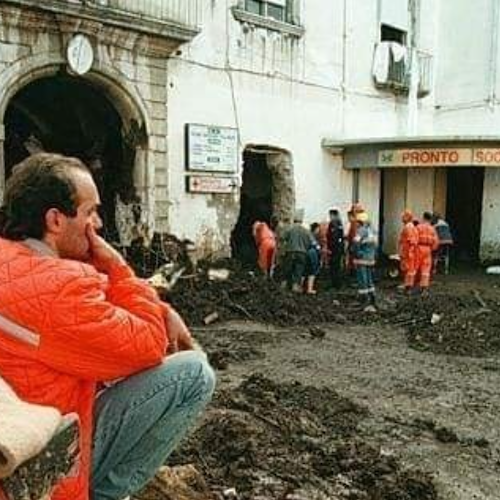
(218, 274)
(493, 270)
(317, 332)
(436, 318)
(211, 318)
(177, 483)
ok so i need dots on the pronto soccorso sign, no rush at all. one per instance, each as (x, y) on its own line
(439, 157)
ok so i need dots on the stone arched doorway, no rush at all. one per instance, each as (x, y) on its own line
(267, 192)
(74, 116)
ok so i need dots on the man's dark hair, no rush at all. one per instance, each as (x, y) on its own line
(427, 216)
(37, 184)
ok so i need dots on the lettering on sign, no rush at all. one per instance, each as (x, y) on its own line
(487, 157)
(425, 157)
(211, 148)
(206, 184)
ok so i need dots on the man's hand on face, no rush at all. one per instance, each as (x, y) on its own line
(102, 255)
(178, 333)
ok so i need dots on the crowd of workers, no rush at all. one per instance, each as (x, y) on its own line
(297, 254)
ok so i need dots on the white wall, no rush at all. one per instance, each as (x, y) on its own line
(277, 91)
(490, 228)
(464, 51)
(291, 93)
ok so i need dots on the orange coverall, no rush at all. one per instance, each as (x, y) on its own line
(408, 249)
(266, 245)
(322, 240)
(428, 242)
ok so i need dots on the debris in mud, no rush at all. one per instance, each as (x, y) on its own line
(176, 483)
(452, 323)
(442, 434)
(163, 249)
(316, 332)
(249, 296)
(282, 441)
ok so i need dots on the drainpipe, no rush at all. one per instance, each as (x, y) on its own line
(344, 67)
(414, 69)
(493, 65)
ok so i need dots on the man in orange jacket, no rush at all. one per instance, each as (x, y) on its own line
(428, 242)
(75, 319)
(265, 241)
(408, 249)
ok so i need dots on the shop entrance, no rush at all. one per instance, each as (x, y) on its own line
(463, 210)
(256, 204)
(68, 115)
(392, 204)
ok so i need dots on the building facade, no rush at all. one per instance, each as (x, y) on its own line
(200, 116)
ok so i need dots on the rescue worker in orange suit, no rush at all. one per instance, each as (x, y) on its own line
(81, 333)
(265, 240)
(428, 242)
(408, 249)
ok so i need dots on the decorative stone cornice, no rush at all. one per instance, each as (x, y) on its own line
(146, 35)
(268, 23)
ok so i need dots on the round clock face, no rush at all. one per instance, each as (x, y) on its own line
(80, 54)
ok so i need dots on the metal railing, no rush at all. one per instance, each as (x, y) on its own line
(187, 12)
(398, 75)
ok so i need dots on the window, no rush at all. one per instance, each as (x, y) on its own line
(392, 34)
(280, 10)
(282, 16)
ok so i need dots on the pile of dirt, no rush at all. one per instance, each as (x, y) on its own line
(452, 323)
(251, 296)
(305, 450)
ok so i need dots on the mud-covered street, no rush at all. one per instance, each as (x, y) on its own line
(343, 404)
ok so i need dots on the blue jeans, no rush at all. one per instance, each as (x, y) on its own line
(141, 420)
(364, 277)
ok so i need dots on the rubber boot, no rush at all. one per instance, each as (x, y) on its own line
(310, 285)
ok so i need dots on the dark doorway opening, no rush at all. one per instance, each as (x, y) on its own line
(64, 114)
(256, 204)
(464, 202)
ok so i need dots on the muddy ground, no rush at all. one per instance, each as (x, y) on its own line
(318, 399)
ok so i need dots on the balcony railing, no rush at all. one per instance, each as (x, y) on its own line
(397, 77)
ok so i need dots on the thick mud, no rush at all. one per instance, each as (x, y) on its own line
(318, 399)
(453, 318)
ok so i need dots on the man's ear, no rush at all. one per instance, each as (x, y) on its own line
(54, 220)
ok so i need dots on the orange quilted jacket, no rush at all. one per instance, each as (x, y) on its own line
(91, 328)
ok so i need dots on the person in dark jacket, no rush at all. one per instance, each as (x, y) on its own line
(313, 264)
(442, 254)
(296, 240)
(336, 246)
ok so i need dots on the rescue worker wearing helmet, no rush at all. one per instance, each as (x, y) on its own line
(408, 249)
(364, 251)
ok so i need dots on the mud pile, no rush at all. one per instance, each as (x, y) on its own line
(452, 323)
(290, 441)
(248, 295)
(459, 322)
